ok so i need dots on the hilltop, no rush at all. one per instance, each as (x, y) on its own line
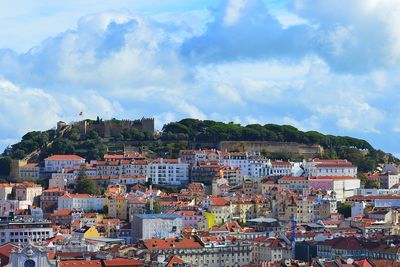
(93, 138)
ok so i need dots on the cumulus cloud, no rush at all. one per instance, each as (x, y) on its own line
(351, 36)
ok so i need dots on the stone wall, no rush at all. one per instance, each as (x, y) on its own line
(307, 151)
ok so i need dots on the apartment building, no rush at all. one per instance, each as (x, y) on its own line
(85, 202)
(168, 172)
(24, 230)
(58, 162)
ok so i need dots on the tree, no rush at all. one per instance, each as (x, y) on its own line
(156, 207)
(345, 209)
(5, 166)
(105, 210)
(372, 184)
(84, 185)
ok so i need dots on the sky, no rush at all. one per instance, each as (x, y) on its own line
(331, 66)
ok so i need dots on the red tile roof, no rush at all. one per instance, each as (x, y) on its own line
(121, 262)
(168, 243)
(81, 263)
(64, 157)
(5, 252)
(174, 260)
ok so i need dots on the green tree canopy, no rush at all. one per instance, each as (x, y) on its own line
(84, 185)
(5, 166)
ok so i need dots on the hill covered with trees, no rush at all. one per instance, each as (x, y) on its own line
(181, 134)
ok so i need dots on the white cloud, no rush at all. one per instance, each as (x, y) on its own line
(233, 11)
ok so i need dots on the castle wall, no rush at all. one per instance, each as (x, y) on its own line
(111, 128)
(272, 147)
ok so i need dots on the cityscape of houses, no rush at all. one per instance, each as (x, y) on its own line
(204, 208)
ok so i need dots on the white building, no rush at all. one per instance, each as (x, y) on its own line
(343, 186)
(80, 201)
(57, 162)
(357, 208)
(389, 180)
(5, 191)
(24, 230)
(237, 159)
(297, 183)
(29, 171)
(128, 180)
(62, 179)
(146, 226)
(138, 168)
(337, 167)
(168, 172)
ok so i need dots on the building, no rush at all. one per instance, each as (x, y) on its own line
(294, 183)
(5, 191)
(24, 230)
(211, 251)
(85, 202)
(56, 163)
(237, 159)
(168, 172)
(62, 179)
(190, 218)
(29, 171)
(49, 199)
(388, 180)
(62, 217)
(146, 226)
(86, 232)
(232, 174)
(220, 208)
(344, 247)
(337, 167)
(28, 192)
(343, 186)
(270, 249)
(204, 173)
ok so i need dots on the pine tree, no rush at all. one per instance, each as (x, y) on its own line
(84, 185)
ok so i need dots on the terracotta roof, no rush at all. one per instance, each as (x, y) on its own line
(121, 262)
(168, 243)
(81, 263)
(293, 178)
(345, 243)
(171, 161)
(61, 212)
(54, 189)
(109, 156)
(5, 252)
(79, 196)
(219, 201)
(336, 165)
(174, 260)
(333, 178)
(30, 165)
(64, 157)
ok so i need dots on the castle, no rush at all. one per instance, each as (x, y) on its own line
(110, 128)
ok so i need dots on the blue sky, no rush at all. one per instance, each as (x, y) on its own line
(331, 66)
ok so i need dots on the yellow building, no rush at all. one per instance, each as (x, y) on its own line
(221, 209)
(243, 211)
(118, 206)
(86, 232)
(209, 221)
